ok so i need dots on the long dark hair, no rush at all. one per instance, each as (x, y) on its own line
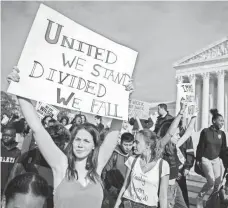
(66, 118)
(27, 183)
(92, 160)
(84, 117)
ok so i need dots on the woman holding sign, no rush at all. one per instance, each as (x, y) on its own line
(147, 179)
(77, 174)
(210, 151)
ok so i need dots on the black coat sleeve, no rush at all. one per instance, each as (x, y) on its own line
(189, 154)
(224, 146)
(201, 145)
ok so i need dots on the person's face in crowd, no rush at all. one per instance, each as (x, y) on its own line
(219, 122)
(25, 201)
(140, 145)
(64, 122)
(83, 119)
(125, 125)
(160, 111)
(176, 136)
(51, 123)
(97, 121)
(47, 121)
(8, 136)
(127, 146)
(83, 144)
(78, 120)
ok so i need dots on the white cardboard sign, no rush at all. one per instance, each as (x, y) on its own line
(68, 65)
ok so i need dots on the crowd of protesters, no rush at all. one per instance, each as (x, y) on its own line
(137, 163)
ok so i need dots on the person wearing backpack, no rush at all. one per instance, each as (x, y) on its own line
(115, 170)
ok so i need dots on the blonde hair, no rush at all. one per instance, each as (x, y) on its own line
(153, 141)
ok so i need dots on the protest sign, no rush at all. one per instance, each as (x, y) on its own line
(44, 109)
(138, 108)
(68, 65)
(187, 92)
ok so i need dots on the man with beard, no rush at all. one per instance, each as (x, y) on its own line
(9, 153)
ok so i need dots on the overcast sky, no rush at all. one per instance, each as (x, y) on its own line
(162, 33)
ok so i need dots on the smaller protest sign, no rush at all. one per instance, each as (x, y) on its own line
(139, 108)
(44, 109)
(187, 92)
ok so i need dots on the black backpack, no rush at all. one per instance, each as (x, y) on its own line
(114, 177)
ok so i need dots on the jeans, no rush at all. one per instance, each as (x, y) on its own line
(183, 186)
(175, 197)
(130, 204)
(213, 170)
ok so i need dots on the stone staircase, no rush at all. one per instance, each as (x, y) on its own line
(195, 183)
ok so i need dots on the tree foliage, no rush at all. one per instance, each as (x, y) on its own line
(8, 104)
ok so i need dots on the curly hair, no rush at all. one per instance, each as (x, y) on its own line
(75, 118)
(92, 159)
(44, 118)
(152, 140)
(215, 114)
(27, 183)
(66, 118)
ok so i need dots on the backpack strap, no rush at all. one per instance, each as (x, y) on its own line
(132, 166)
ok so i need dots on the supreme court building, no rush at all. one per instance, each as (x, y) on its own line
(207, 69)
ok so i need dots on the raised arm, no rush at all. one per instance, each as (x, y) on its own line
(163, 193)
(139, 123)
(52, 154)
(188, 132)
(200, 146)
(108, 144)
(172, 129)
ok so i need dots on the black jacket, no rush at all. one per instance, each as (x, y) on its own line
(212, 144)
(161, 120)
(146, 124)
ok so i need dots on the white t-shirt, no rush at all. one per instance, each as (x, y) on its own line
(143, 187)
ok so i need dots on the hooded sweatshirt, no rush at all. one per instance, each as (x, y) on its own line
(117, 161)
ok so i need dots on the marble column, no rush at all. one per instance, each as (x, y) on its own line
(220, 92)
(179, 80)
(205, 101)
(192, 79)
